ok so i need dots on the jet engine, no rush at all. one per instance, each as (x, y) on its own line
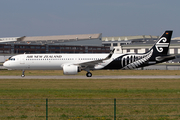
(70, 69)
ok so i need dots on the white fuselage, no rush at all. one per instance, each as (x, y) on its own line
(54, 61)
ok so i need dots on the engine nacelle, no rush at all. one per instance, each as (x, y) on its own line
(70, 69)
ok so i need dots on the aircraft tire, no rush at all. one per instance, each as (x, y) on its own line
(89, 74)
(22, 75)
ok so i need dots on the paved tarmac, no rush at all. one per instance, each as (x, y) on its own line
(93, 77)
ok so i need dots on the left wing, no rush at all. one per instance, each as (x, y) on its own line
(91, 64)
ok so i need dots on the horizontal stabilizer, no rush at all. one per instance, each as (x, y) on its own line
(162, 58)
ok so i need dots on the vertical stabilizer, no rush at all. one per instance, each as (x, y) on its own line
(161, 47)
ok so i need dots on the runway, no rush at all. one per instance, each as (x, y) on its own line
(93, 77)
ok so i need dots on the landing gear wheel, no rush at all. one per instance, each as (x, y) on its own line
(22, 75)
(89, 74)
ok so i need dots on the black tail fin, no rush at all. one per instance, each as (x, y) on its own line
(161, 47)
(157, 54)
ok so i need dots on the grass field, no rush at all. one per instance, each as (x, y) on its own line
(89, 88)
(91, 98)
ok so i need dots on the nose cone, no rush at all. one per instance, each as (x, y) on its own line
(5, 64)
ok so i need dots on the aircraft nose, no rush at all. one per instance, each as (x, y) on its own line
(5, 64)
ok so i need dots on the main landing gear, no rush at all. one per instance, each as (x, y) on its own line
(89, 74)
(23, 71)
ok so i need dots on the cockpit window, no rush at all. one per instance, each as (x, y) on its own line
(13, 59)
(10, 58)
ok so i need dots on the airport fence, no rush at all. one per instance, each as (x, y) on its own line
(99, 109)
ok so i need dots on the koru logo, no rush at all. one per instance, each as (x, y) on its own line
(161, 44)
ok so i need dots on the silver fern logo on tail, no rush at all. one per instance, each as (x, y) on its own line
(161, 44)
(135, 61)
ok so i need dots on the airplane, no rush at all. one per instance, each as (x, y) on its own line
(71, 64)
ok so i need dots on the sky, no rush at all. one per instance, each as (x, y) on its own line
(68, 17)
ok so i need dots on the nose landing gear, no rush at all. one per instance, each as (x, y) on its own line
(23, 71)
